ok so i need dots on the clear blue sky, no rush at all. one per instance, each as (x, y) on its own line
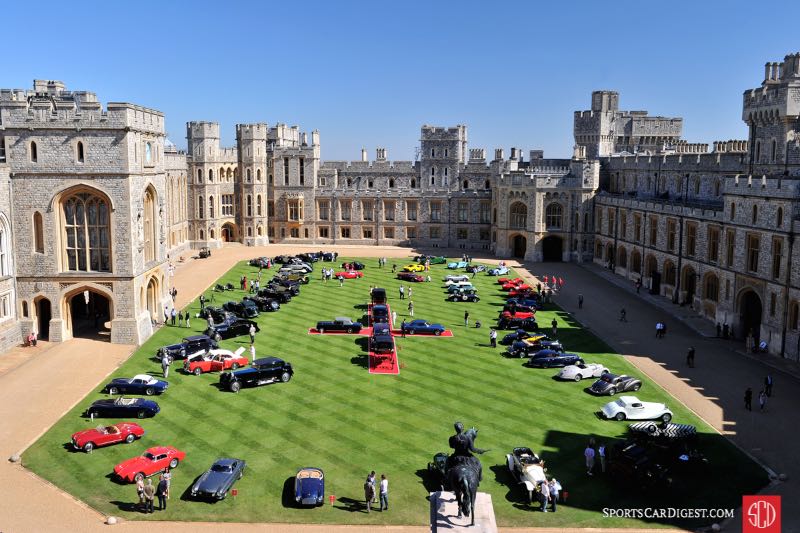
(370, 73)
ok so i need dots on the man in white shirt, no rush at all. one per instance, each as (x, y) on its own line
(601, 451)
(588, 453)
(384, 493)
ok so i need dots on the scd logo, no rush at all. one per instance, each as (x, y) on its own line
(761, 514)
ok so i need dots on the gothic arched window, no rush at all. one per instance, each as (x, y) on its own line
(87, 242)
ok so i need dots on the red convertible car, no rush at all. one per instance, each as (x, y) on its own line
(350, 274)
(410, 276)
(153, 461)
(522, 292)
(89, 439)
(215, 361)
(503, 281)
(518, 314)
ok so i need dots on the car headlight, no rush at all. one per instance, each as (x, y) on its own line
(297, 498)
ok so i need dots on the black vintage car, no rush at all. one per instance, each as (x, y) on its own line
(530, 347)
(311, 257)
(528, 324)
(634, 465)
(291, 277)
(475, 268)
(380, 313)
(469, 295)
(292, 287)
(551, 358)
(263, 304)
(518, 335)
(204, 252)
(610, 384)
(217, 314)
(378, 295)
(281, 296)
(230, 327)
(188, 346)
(260, 262)
(674, 445)
(340, 323)
(123, 408)
(514, 307)
(355, 265)
(530, 302)
(218, 479)
(381, 343)
(243, 309)
(262, 371)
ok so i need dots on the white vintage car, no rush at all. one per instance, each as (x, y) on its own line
(450, 280)
(632, 408)
(527, 468)
(581, 371)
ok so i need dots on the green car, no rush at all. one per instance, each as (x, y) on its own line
(439, 260)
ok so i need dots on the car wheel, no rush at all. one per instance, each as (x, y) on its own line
(197, 371)
(437, 332)
(620, 416)
(477, 299)
(217, 337)
(138, 477)
(666, 417)
(637, 387)
(169, 359)
(112, 390)
(130, 438)
(149, 391)
(577, 377)
(173, 463)
(234, 366)
(235, 386)
(141, 414)
(88, 447)
(285, 377)
(91, 414)
(612, 391)
(464, 298)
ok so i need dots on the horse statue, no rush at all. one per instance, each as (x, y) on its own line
(464, 470)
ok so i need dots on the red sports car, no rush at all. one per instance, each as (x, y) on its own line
(527, 292)
(89, 439)
(410, 276)
(350, 274)
(153, 461)
(518, 314)
(215, 361)
(503, 281)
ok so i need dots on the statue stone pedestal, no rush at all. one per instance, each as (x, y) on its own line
(444, 514)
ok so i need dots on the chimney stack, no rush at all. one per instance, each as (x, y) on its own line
(364, 154)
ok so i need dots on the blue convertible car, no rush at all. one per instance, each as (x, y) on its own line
(551, 358)
(499, 271)
(309, 486)
(139, 384)
(457, 264)
(123, 408)
(423, 327)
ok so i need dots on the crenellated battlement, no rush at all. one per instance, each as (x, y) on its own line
(368, 166)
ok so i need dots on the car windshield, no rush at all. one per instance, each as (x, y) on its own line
(150, 456)
(620, 402)
(221, 468)
(608, 378)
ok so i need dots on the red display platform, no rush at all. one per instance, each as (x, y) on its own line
(398, 333)
(383, 363)
(364, 331)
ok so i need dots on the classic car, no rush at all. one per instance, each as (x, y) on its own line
(414, 267)
(457, 287)
(355, 265)
(514, 307)
(218, 480)
(424, 327)
(290, 287)
(243, 309)
(497, 271)
(231, 327)
(582, 371)
(532, 302)
(138, 384)
(455, 278)
(517, 335)
(410, 276)
(328, 256)
(434, 260)
(379, 313)
(466, 295)
(475, 268)
(381, 328)
(381, 343)
(632, 408)
(204, 252)
(153, 461)
(632, 464)
(610, 384)
(533, 344)
(263, 371)
(282, 296)
(293, 277)
(512, 284)
(215, 361)
(192, 344)
(519, 313)
(295, 269)
(310, 257)
(89, 439)
(378, 295)
(349, 274)
(528, 324)
(552, 358)
(521, 292)
(527, 468)
(457, 264)
(123, 408)
(217, 314)
(675, 445)
(261, 262)
(340, 323)
(309, 486)
(263, 304)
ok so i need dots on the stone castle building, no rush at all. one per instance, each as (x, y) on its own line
(95, 202)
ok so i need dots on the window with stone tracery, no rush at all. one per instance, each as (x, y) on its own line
(87, 244)
(149, 226)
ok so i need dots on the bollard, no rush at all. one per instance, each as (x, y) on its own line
(332, 498)
(564, 496)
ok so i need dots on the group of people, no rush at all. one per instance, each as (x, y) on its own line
(381, 262)
(147, 492)
(327, 275)
(548, 494)
(251, 286)
(763, 394)
(371, 492)
(176, 318)
(591, 454)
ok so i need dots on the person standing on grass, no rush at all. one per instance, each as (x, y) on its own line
(161, 492)
(403, 328)
(166, 315)
(466, 319)
(762, 400)
(252, 332)
(188, 325)
(173, 315)
(589, 454)
(601, 452)
(341, 281)
(402, 292)
(748, 399)
(140, 492)
(167, 476)
(493, 338)
(394, 268)
(410, 292)
(554, 323)
(555, 486)
(411, 308)
(544, 495)
(165, 365)
(253, 353)
(149, 494)
(394, 317)
(384, 493)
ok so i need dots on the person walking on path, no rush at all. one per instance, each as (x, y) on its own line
(762, 400)
(140, 492)
(580, 301)
(149, 493)
(690, 357)
(555, 486)
(589, 454)
(161, 492)
(768, 385)
(638, 285)
(466, 319)
(202, 301)
(252, 332)
(748, 399)
(493, 338)
(173, 315)
(384, 493)
(402, 292)
(165, 365)
(411, 308)
(623, 315)
(601, 452)
(554, 323)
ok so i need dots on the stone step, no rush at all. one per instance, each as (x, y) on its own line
(444, 514)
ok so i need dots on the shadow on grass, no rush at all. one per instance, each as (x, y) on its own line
(361, 359)
(129, 507)
(115, 479)
(432, 481)
(351, 505)
(516, 490)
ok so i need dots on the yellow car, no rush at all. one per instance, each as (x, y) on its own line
(414, 268)
(534, 339)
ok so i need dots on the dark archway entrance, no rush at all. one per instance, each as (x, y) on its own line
(518, 246)
(228, 232)
(552, 248)
(44, 313)
(90, 315)
(689, 284)
(750, 315)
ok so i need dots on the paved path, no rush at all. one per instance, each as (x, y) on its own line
(55, 377)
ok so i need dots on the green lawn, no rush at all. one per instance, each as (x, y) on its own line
(337, 416)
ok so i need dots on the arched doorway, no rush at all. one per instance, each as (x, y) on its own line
(152, 302)
(689, 284)
(552, 248)
(750, 314)
(228, 232)
(518, 245)
(44, 313)
(651, 271)
(89, 314)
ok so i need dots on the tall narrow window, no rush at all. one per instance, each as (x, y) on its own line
(753, 243)
(249, 207)
(87, 245)
(199, 175)
(733, 211)
(553, 216)
(38, 233)
(210, 174)
(779, 218)
(774, 155)
(755, 214)
(149, 226)
(258, 175)
(302, 170)
(34, 153)
(200, 207)
(5, 254)
(80, 152)
(286, 171)
(777, 256)
(258, 205)
(210, 207)
(730, 243)
(691, 239)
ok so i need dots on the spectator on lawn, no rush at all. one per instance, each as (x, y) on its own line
(555, 486)
(403, 328)
(601, 452)
(409, 293)
(253, 352)
(167, 476)
(165, 365)
(555, 327)
(161, 492)
(149, 493)
(369, 493)
(341, 281)
(384, 493)
(187, 319)
(173, 315)
(589, 453)
(252, 333)
(493, 338)
(402, 292)
(466, 319)
(394, 317)
(411, 309)
(140, 492)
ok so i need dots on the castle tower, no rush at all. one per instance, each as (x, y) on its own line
(253, 188)
(442, 151)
